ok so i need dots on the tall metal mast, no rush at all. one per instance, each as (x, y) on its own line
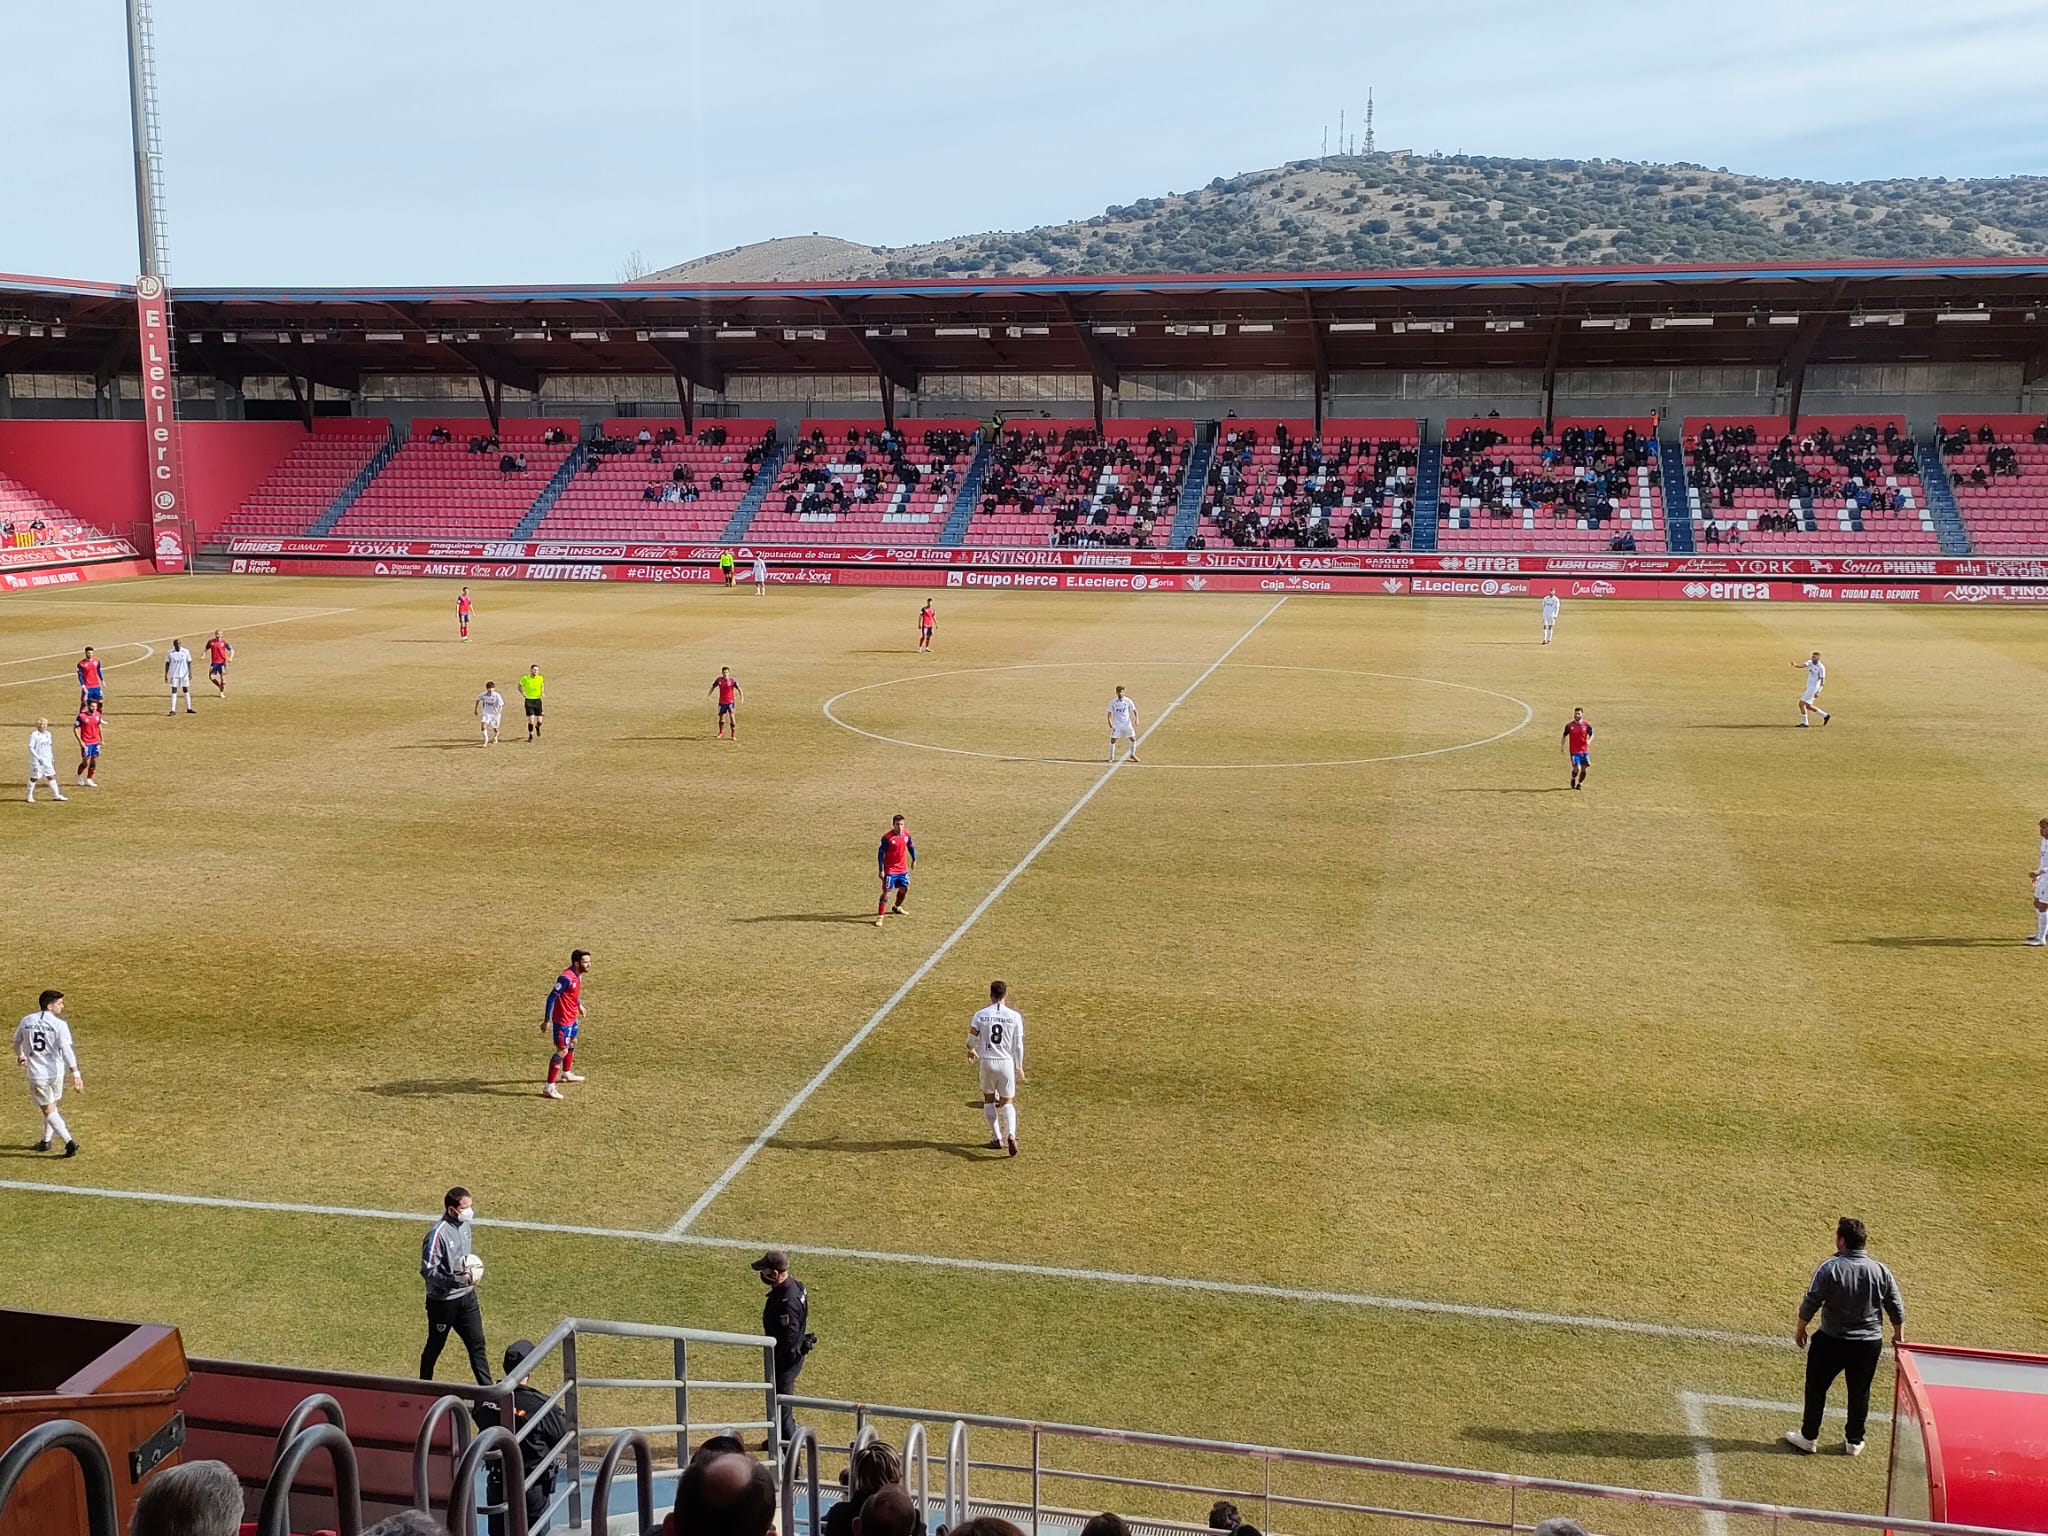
(149, 177)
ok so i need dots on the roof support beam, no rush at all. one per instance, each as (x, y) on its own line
(691, 360)
(891, 367)
(1100, 363)
(686, 397)
(1792, 371)
(494, 398)
(295, 360)
(488, 362)
(1318, 359)
(1550, 356)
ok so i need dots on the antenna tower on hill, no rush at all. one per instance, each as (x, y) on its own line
(1368, 119)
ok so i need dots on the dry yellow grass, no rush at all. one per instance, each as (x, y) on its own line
(1430, 1028)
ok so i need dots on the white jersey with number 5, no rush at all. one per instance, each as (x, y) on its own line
(1816, 674)
(44, 1041)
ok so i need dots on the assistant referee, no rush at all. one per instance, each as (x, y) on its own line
(531, 686)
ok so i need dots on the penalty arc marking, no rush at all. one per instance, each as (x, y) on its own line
(1528, 714)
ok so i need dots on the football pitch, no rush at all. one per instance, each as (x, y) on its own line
(1382, 1095)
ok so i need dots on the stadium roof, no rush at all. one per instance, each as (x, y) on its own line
(1783, 316)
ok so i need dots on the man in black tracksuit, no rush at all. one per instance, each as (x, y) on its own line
(1854, 1295)
(786, 1319)
(526, 1402)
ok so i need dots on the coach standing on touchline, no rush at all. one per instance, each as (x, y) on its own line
(451, 1274)
(1853, 1294)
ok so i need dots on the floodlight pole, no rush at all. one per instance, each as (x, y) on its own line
(163, 513)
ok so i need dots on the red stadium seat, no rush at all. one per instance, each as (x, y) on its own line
(2005, 514)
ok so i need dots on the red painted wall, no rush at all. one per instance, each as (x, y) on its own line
(94, 469)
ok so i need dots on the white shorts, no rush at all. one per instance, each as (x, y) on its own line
(1811, 696)
(999, 1078)
(181, 679)
(2041, 889)
(45, 1091)
(1123, 733)
(492, 720)
(41, 768)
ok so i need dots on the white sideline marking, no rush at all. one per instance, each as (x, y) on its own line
(147, 652)
(1705, 1465)
(803, 1094)
(1233, 1288)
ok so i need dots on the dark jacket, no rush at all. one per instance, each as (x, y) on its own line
(786, 1318)
(525, 1403)
(1853, 1294)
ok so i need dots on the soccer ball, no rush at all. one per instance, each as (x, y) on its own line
(474, 1267)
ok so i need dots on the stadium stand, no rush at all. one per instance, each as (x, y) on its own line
(1063, 482)
(652, 478)
(1998, 470)
(1842, 482)
(1276, 483)
(1583, 484)
(305, 483)
(855, 482)
(21, 509)
(454, 479)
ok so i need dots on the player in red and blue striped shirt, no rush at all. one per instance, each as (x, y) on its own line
(895, 859)
(563, 1015)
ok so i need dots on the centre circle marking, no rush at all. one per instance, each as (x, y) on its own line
(1528, 714)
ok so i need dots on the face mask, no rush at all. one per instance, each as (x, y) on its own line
(462, 1217)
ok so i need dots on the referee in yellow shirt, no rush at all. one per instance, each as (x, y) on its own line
(531, 687)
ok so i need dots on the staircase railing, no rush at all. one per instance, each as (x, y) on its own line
(969, 500)
(742, 517)
(1429, 490)
(551, 493)
(1187, 516)
(1941, 499)
(1677, 489)
(346, 497)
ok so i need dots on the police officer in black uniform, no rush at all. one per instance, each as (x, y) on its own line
(786, 1319)
(526, 1402)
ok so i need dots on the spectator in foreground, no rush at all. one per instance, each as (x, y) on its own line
(408, 1522)
(985, 1525)
(872, 1468)
(1558, 1525)
(888, 1513)
(729, 1494)
(199, 1498)
(1853, 1294)
(1223, 1516)
(1106, 1524)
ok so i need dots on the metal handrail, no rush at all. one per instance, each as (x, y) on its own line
(460, 1433)
(301, 1416)
(643, 1481)
(1272, 1453)
(802, 1449)
(276, 1516)
(916, 1453)
(94, 1469)
(954, 1512)
(496, 1440)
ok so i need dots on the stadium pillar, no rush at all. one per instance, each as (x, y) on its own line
(494, 397)
(686, 397)
(163, 458)
(888, 401)
(1098, 405)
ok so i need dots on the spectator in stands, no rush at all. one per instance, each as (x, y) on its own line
(198, 1498)
(1623, 543)
(727, 1494)
(438, 435)
(536, 1443)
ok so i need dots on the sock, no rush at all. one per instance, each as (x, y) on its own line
(57, 1127)
(989, 1113)
(2041, 926)
(1010, 1119)
(569, 1059)
(554, 1069)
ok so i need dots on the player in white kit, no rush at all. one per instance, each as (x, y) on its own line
(1809, 701)
(760, 575)
(42, 761)
(490, 713)
(42, 1044)
(1123, 724)
(1550, 607)
(995, 1039)
(2041, 891)
(178, 673)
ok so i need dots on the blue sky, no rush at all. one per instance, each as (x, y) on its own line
(386, 141)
